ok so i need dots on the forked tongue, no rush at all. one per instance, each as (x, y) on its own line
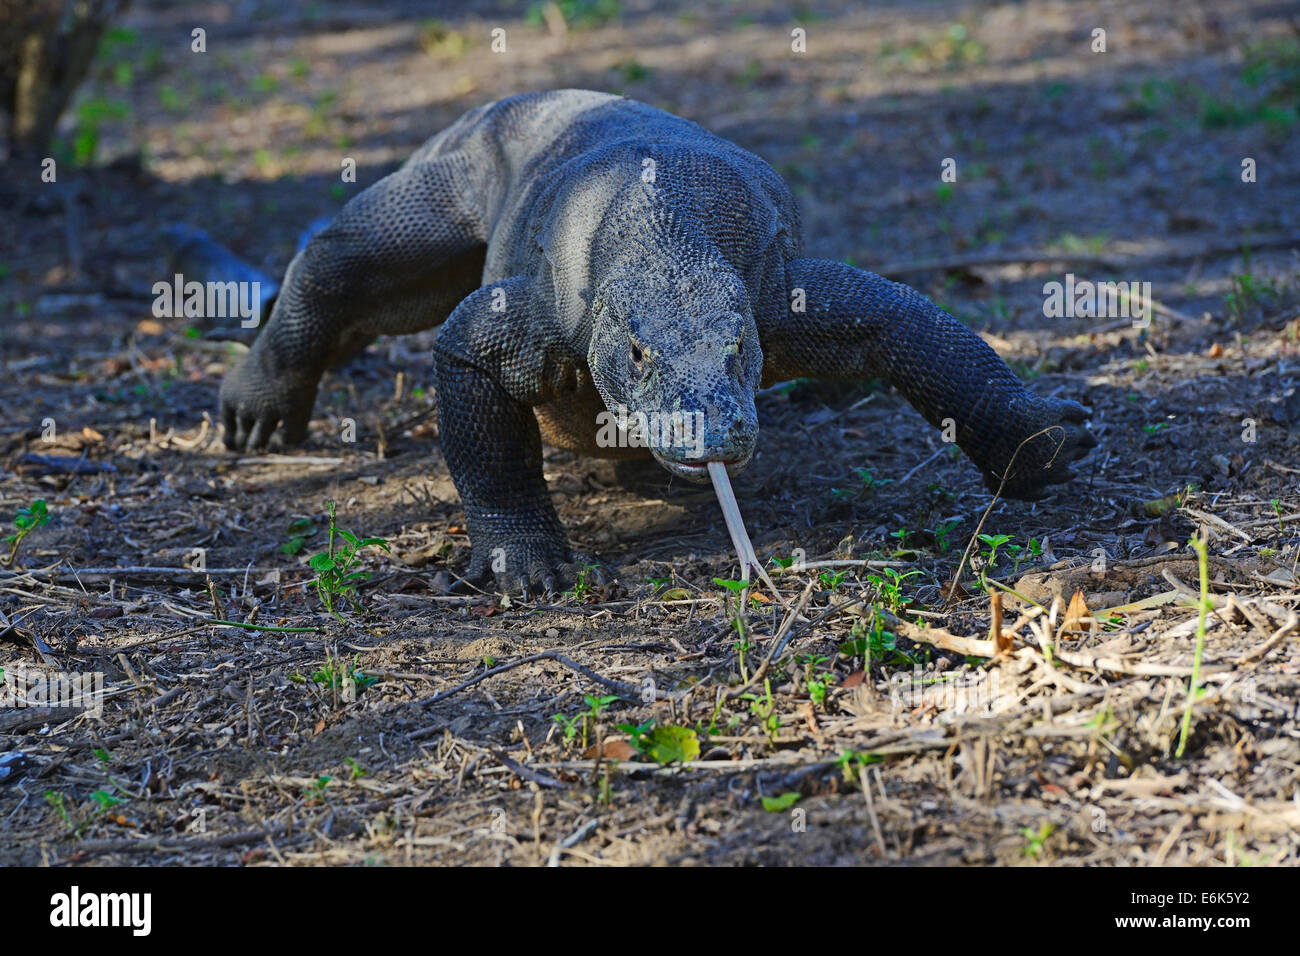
(736, 527)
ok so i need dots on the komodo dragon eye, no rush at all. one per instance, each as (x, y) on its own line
(636, 354)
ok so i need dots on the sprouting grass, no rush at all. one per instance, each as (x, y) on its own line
(25, 522)
(1204, 605)
(1036, 839)
(1248, 293)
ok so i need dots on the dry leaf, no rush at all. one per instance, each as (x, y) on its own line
(953, 591)
(149, 327)
(614, 750)
(854, 679)
(1215, 350)
(1077, 615)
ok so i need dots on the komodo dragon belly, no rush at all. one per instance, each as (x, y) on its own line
(574, 423)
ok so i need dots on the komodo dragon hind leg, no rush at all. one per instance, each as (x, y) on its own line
(396, 260)
(856, 325)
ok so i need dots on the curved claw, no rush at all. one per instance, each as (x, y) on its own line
(1055, 436)
(256, 403)
(532, 566)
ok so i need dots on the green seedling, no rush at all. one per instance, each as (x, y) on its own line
(990, 556)
(851, 763)
(873, 643)
(332, 676)
(568, 727)
(297, 535)
(1204, 606)
(663, 745)
(764, 708)
(335, 577)
(1035, 839)
(1029, 552)
(316, 790)
(784, 802)
(581, 588)
(818, 680)
(889, 587)
(25, 522)
(1276, 505)
(941, 535)
(831, 580)
(868, 484)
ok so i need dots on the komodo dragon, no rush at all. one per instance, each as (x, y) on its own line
(589, 252)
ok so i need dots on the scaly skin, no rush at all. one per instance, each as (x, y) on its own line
(605, 254)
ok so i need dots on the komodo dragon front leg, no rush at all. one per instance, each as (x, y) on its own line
(497, 358)
(396, 260)
(856, 325)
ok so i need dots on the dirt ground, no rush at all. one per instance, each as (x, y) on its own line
(452, 741)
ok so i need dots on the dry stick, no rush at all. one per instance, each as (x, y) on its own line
(95, 847)
(871, 808)
(519, 770)
(1278, 637)
(974, 647)
(122, 572)
(622, 688)
(956, 578)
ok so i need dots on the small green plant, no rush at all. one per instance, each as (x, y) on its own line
(105, 800)
(332, 675)
(335, 577)
(851, 763)
(1276, 505)
(1035, 840)
(941, 535)
(568, 727)
(664, 745)
(831, 580)
(1204, 606)
(868, 484)
(889, 587)
(990, 556)
(356, 770)
(742, 644)
(55, 799)
(818, 680)
(297, 535)
(316, 790)
(764, 708)
(1029, 552)
(25, 522)
(1248, 293)
(581, 589)
(874, 644)
(784, 802)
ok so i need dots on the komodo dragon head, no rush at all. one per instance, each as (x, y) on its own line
(679, 354)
